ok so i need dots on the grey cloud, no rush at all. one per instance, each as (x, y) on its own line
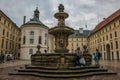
(80, 12)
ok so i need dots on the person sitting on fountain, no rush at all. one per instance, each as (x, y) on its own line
(78, 56)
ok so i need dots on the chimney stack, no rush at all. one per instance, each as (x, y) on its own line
(80, 30)
(24, 19)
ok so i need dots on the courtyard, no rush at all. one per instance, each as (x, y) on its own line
(7, 67)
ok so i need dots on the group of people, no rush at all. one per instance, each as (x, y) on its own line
(6, 57)
(79, 59)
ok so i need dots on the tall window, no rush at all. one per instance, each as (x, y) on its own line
(72, 44)
(31, 41)
(3, 31)
(30, 51)
(0, 18)
(111, 45)
(77, 44)
(39, 41)
(2, 43)
(45, 38)
(114, 24)
(31, 37)
(110, 36)
(115, 34)
(24, 39)
(7, 34)
(4, 21)
(45, 42)
(6, 44)
(103, 39)
(104, 47)
(106, 37)
(116, 42)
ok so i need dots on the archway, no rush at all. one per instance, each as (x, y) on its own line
(108, 51)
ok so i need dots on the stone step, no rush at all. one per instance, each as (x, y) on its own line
(63, 75)
(63, 71)
(57, 68)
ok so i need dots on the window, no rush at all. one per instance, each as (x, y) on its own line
(31, 33)
(72, 44)
(116, 42)
(101, 47)
(30, 51)
(3, 31)
(115, 34)
(106, 37)
(110, 27)
(24, 39)
(77, 44)
(72, 39)
(77, 39)
(10, 36)
(0, 18)
(4, 21)
(103, 39)
(110, 36)
(114, 24)
(45, 42)
(39, 41)
(6, 44)
(104, 47)
(31, 41)
(45, 34)
(10, 45)
(7, 34)
(111, 45)
(2, 43)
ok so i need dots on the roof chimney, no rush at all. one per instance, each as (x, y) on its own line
(104, 18)
(24, 19)
(80, 30)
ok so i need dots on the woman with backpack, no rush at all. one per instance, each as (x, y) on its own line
(97, 56)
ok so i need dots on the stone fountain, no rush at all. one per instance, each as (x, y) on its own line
(61, 31)
(61, 58)
(61, 63)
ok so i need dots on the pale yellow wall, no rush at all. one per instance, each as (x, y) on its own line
(10, 30)
(75, 42)
(96, 39)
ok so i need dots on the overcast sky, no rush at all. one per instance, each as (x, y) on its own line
(81, 12)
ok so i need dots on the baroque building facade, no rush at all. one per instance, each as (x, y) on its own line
(34, 33)
(106, 37)
(78, 39)
(9, 36)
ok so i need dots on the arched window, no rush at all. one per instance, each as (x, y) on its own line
(30, 51)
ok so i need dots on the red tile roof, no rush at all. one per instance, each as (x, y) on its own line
(106, 21)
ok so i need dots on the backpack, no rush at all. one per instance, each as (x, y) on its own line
(99, 54)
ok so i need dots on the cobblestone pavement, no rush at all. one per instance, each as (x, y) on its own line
(7, 67)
